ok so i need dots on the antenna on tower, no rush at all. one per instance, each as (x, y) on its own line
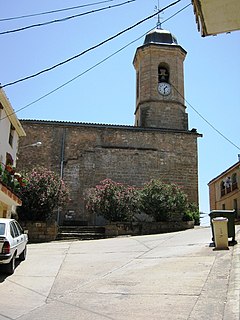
(159, 25)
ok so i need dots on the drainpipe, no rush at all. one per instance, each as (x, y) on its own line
(62, 152)
(62, 164)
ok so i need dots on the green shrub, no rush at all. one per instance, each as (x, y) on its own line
(163, 201)
(192, 214)
(117, 202)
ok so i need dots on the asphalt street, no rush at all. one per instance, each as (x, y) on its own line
(166, 276)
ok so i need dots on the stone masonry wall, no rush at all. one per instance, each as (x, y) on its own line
(91, 153)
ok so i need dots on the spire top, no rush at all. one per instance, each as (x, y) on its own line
(159, 24)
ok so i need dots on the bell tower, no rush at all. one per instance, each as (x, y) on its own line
(160, 82)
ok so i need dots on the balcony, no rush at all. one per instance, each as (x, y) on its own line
(229, 189)
(10, 182)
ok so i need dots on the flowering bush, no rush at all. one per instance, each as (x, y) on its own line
(10, 178)
(162, 201)
(43, 192)
(117, 202)
(114, 201)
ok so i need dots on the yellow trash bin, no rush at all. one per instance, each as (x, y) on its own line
(220, 227)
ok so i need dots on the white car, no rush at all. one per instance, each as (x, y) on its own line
(13, 244)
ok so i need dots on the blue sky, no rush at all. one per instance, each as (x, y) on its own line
(106, 94)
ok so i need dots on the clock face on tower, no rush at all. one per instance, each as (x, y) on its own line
(164, 88)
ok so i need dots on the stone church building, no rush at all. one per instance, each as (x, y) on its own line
(158, 146)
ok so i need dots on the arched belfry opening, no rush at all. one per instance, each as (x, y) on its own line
(163, 73)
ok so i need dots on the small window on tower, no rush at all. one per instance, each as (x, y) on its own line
(163, 74)
(137, 84)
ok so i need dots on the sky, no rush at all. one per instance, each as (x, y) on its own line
(106, 93)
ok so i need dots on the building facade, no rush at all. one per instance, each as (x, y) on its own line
(158, 146)
(224, 193)
(10, 132)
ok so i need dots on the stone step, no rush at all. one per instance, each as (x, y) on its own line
(80, 232)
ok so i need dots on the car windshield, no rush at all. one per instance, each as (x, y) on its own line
(2, 229)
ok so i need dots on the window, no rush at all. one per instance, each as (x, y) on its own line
(234, 181)
(228, 184)
(163, 74)
(2, 229)
(137, 84)
(222, 187)
(11, 135)
(14, 231)
(223, 206)
(20, 230)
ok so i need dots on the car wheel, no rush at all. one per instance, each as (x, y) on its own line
(10, 267)
(22, 256)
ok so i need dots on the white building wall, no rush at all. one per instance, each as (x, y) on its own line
(5, 146)
(8, 123)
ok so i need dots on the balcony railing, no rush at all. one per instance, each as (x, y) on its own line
(229, 189)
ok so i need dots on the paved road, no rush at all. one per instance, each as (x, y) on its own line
(167, 276)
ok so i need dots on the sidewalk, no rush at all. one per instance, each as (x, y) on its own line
(232, 309)
(219, 298)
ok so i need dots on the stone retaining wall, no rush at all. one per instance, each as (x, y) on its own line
(40, 231)
(140, 228)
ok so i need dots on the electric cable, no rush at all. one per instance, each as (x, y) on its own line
(176, 13)
(203, 118)
(89, 69)
(89, 49)
(54, 11)
(65, 19)
(108, 57)
(77, 76)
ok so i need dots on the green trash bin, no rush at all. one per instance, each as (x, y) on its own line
(230, 215)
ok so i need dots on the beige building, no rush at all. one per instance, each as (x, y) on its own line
(217, 16)
(10, 131)
(224, 192)
(159, 145)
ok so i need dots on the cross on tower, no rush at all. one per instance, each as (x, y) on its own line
(157, 8)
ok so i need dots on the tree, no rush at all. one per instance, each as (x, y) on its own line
(114, 201)
(43, 192)
(163, 201)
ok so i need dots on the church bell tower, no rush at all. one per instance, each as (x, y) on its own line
(160, 82)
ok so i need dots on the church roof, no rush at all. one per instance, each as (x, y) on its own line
(102, 125)
(160, 36)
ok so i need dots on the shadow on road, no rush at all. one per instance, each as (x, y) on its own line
(3, 274)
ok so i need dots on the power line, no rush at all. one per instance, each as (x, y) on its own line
(89, 69)
(176, 13)
(203, 118)
(79, 75)
(53, 11)
(65, 19)
(108, 57)
(91, 48)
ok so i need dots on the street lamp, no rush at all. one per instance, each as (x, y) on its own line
(36, 144)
